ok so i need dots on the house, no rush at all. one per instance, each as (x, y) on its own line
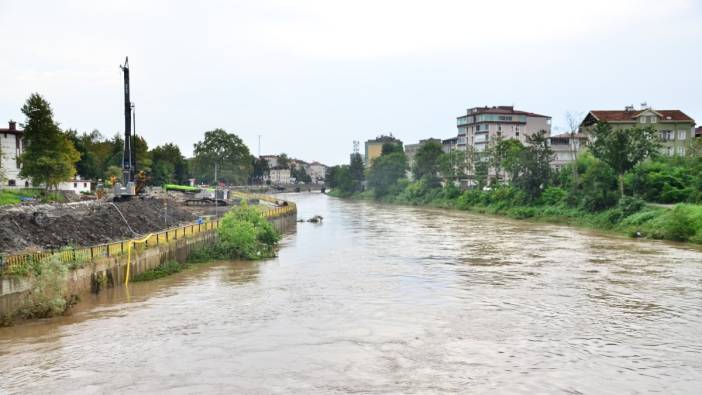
(11, 147)
(317, 172)
(482, 125)
(449, 144)
(271, 159)
(374, 148)
(566, 148)
(676, 129)
(76, 185)
(279, 176)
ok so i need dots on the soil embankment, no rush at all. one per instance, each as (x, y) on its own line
(42, 226)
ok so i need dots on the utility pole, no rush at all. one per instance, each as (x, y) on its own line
(259, 146)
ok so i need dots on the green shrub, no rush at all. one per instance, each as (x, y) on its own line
(245, 233)
(162, 270)
(630, 205)
(681, 223)
(522, 212)
(552, 196)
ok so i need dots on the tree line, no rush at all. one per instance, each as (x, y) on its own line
(616, 177)
(52, 155)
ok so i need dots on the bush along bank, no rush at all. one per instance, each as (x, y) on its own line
(49, 294)
(608, 187)
(243, 233)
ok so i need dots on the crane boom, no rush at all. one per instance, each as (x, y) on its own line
(127, 154)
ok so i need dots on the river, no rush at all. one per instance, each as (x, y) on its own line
(388, 299)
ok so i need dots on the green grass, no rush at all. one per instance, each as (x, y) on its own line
(162, 270)
(182, 188)
(14, 196)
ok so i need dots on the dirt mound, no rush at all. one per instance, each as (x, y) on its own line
(43, 226)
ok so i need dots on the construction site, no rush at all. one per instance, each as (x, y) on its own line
(121, 208)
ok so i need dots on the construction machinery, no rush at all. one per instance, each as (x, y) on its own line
(128, 187)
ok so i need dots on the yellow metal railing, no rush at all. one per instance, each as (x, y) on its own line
(8, 263)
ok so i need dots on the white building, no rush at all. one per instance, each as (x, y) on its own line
(76, 185)
(566, 147)
(317, 172)
(11, 146)
(271, 159)
(483, 125)
(280, 176)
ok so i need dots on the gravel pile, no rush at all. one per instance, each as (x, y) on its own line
(42, 226)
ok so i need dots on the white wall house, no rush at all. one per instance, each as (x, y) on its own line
(317, 172)
(280, 176)
(76, 185)
(11, 145)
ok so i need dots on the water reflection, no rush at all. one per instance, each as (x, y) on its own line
(385, 299)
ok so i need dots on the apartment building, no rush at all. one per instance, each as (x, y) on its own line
(566, 148)
(482, 125)
(449, 144)
(317, 172)
(374, 148)
(676, 129)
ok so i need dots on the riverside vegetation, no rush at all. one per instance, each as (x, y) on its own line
(243, 233)
(619, 183)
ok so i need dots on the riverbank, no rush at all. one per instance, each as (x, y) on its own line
(631, 217)
(45, 286)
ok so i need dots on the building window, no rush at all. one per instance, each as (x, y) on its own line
(75, 185)
(681, 151)
(652, 119)
(669, 151)
(642, 119)
(11, 183)
(26, 184)
(85, 185)
(682, 134)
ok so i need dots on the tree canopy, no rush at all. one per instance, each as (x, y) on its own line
(49, 156)
(228, 152)
(427, 161)
(622, 149)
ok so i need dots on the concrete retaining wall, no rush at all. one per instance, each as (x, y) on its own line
(110, 271)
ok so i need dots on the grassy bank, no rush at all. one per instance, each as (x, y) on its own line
(630, 216)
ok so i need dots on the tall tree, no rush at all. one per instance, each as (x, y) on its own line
(87, 166)
(168, 165)
(506, 156)
(228, 152)
(622, 149)
(49, 156)
(426, 163)
(453, 165)
(356, 172)
(535, 168)
(284, 161)
(261, 170)
(385, 171)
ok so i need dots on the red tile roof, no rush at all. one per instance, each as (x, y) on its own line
(630, 116)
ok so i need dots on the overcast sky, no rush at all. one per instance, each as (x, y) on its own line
(312, 76)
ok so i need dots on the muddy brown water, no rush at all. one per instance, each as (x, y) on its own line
(387, 299)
